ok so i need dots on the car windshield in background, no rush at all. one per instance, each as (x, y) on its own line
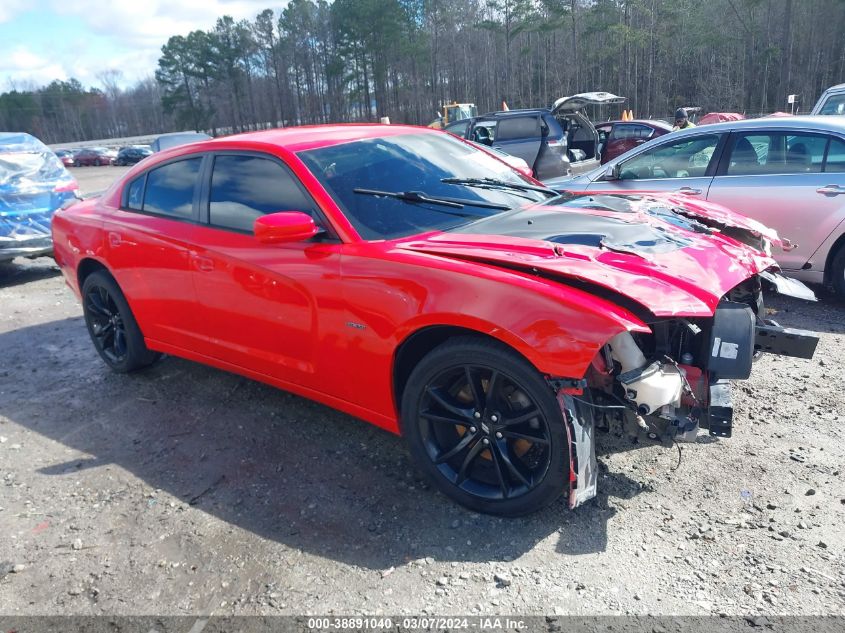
(426, 165)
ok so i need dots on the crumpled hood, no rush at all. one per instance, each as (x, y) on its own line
(672, 256)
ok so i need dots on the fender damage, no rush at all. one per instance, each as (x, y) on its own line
(693, 272)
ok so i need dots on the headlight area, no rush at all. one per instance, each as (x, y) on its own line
(667, 385)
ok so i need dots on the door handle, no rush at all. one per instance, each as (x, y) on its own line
(114, 239)
(830, 190)
(204, 264)
(689, 191)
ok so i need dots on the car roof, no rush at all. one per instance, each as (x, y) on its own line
(652, 122)
(296, 139)
(836, 88)
(810, 123)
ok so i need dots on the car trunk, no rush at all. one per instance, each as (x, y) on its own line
(581, 136)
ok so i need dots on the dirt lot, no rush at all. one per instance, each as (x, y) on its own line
(96, 179)
(186, 490)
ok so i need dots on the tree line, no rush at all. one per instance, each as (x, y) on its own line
(316, 61)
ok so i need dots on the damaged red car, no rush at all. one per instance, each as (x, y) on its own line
(407, 278)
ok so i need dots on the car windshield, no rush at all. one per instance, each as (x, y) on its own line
(431, 164)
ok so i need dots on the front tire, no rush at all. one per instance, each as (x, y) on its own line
(486, 428)
(111, 325)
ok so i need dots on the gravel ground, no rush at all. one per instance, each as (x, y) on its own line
(187, 490)
(96, 179)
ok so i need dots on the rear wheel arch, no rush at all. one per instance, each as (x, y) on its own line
(88, 266)
(111, 324)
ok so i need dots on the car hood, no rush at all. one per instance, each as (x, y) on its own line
(671, 257)
(577, 102)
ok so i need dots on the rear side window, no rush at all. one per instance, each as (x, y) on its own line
(628, 131)
(513, 128)
(777, 153)
(835, 156)
(459, 128)
(170, 189)
(244, 188)
(135, 196)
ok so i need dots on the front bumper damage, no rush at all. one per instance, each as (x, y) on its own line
(656, 398)
(580, 432)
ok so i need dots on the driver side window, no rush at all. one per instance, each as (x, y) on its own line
(684, 158)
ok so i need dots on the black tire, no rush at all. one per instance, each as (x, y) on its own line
(111, 325)
(524, 465)
(837, 272)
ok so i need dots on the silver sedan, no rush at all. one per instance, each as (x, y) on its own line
(788, 173)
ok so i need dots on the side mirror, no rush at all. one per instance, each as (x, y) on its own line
(284, 226)
(612, 172)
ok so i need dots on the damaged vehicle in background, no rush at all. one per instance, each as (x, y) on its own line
(498, 322)
(788, 173)
(557, 141)
(33, 184)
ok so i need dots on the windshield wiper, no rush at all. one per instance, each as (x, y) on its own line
(418, 197)
(495, 182)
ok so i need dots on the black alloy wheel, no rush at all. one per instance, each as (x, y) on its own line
(486, 427)
(112, 326)
(107, 326)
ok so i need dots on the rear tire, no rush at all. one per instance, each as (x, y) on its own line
(486, 428)
(837, 274)
(112, 326)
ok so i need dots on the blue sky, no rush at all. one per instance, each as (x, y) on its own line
(42, 40)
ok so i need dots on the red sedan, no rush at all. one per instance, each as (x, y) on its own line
(617, 137)
(405, 277)
(94, 156)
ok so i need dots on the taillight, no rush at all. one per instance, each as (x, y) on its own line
(70, 185)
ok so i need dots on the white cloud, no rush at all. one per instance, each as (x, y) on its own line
(25, 67)
(123, 35)
(134, 32)
(151, 23)
(10, 9)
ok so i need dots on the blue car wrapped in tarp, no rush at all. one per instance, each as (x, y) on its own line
(33, 184)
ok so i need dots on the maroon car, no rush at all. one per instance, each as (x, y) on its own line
(617, 137)
(94, 156)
